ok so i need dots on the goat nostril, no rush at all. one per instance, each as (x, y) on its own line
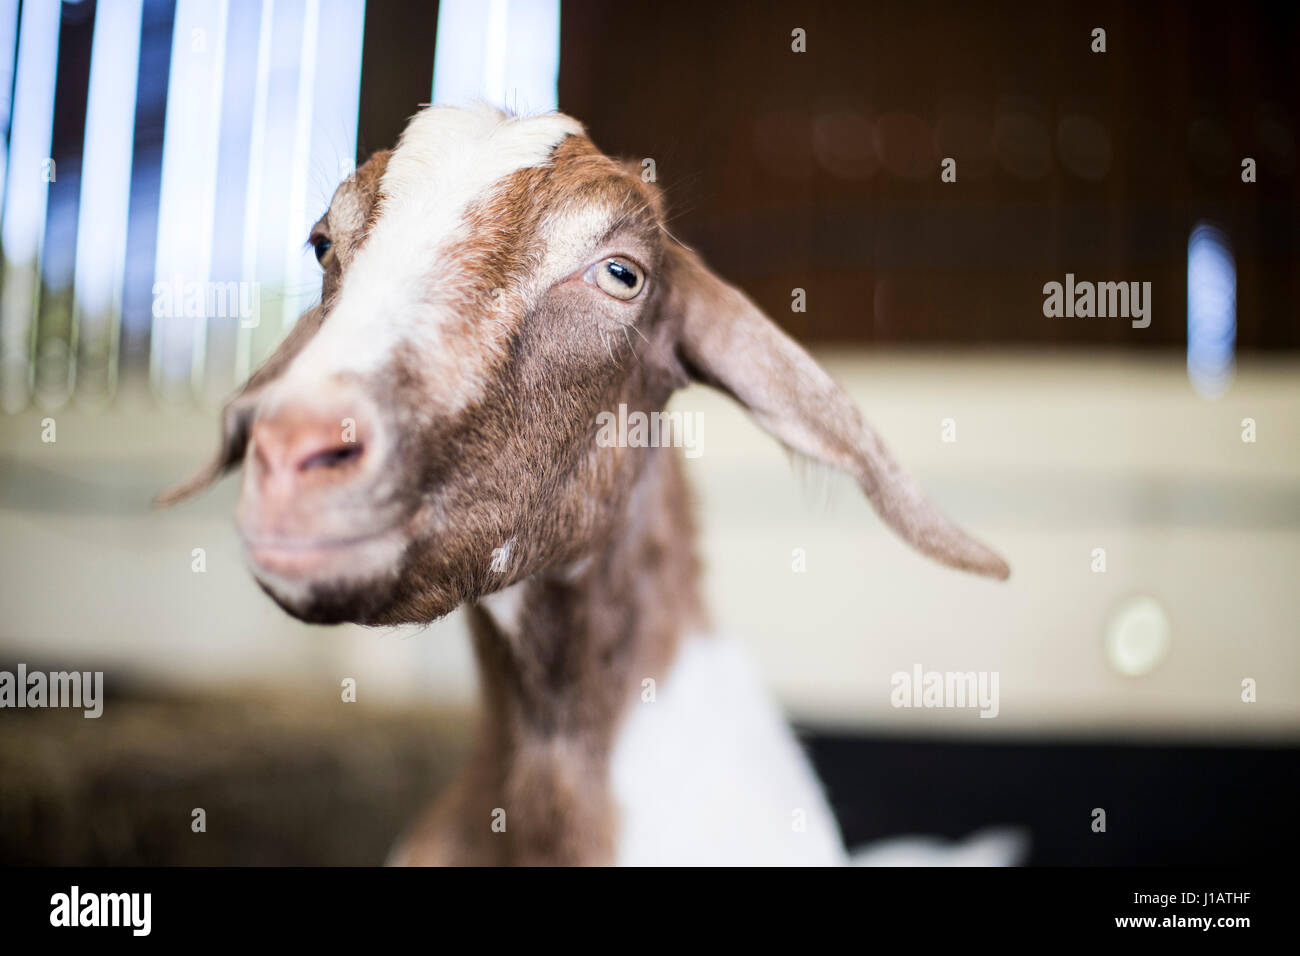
(332, 457)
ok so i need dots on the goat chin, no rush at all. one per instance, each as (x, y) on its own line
(386, 599)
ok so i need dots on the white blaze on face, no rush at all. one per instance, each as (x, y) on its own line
(398, 288)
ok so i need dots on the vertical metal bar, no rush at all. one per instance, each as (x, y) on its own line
(23, 230)
(506, 52)
(55, 341)
(105, 197)
(187, 202)
(136, 334)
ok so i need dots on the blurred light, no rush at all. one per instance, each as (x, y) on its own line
(253, 193)
(285, 89)
(1211, 311)
(187, 204)
(235, 171)
(906, 147)
(26, 188)
(106, 177)
(135, 344)
(30, 133)
(1137, 636)
(1023, 145)
(300, 142)
(8, 51)
(843, 144)
(331, 146)
(1084, 145)
(506, 52)
(297, 224)
(968, 137)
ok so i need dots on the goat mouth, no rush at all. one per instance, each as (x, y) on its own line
(296, 558)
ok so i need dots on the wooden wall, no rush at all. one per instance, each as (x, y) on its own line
(821, 170)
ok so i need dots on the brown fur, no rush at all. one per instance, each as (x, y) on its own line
(554, 692)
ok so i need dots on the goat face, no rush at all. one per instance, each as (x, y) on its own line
(428, 434)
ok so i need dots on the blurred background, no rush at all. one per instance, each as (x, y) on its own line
(162, 163)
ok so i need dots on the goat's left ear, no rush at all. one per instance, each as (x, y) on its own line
(237, 416)
(725, 340)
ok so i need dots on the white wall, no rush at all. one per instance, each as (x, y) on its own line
(1054, 457)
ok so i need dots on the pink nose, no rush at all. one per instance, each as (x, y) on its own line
(297, 448)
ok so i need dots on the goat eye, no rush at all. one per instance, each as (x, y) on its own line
(619, 277)
(323, 246)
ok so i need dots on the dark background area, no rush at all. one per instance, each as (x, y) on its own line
(821, 170)
(300, 782)
(282, 780)
(1166, 805)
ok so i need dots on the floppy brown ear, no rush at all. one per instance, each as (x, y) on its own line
(237, 416)
(726, 341)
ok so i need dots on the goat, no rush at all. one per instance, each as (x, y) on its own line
(491, 286)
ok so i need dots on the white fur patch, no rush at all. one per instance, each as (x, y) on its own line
(996, 846)
(711, 774)
(396, 288)
(506, 608)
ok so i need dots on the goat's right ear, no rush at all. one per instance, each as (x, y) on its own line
(725, 340)
(237, 416)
